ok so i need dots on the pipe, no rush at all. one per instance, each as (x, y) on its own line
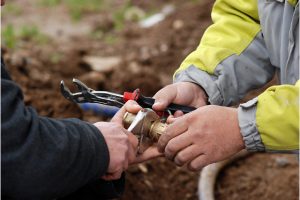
(99, 109)
(209, 174)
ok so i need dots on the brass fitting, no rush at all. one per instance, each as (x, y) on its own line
(149, 124)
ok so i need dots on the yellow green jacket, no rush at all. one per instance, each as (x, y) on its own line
(248, 42)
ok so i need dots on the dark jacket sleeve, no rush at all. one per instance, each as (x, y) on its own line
(99, 189)
(44, 158)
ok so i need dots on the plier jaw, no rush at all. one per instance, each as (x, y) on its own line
(88, 95)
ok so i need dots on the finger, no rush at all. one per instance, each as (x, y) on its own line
(151, 153)
(132, 139)
(130, 106)
(113, 176)
(173, 118)
(198, 163)
(173, 130)
(177, 144)
(178, 113)
(164, 97)
(133, 144)
(186, 155)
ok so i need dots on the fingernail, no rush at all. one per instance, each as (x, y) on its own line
(157, 104)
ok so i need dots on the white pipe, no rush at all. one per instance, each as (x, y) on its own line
(209, 174)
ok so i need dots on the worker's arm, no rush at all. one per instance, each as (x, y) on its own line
(231, 58)
(214, 133)
(271, 121)
(44, 158)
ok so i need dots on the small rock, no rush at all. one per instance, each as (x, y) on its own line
(282, 161)
(164, 47)
(148, 183)
(102, 64)
(145, 54)
(134, 67)
(188, 195)
(143, 168)
(178, 24)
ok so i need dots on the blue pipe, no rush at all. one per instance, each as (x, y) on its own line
(99, 109)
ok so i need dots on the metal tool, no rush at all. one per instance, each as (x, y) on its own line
(146, 125)
(88, 95)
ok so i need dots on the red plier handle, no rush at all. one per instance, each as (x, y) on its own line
(131, 95)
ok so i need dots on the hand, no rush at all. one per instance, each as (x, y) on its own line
(184, 93)
(204, 136)
(121, 143)
(149, 154)
(152, 151)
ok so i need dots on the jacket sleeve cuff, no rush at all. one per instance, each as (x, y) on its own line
(101, 149)
(203, 79)
(247, 123)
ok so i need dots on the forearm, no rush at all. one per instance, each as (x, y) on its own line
(271, 121)
(43, 158)
(232, 57)
(51, 157)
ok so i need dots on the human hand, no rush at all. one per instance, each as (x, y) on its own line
(204, 136)
(184, 93)
(149, 154)
(121, 143)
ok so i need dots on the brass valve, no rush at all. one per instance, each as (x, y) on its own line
(146, 125)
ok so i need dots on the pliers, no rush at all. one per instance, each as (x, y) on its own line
(88, 95)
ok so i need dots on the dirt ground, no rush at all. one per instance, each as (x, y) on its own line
(148, 58)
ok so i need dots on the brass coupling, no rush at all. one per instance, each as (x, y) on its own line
(146, 125)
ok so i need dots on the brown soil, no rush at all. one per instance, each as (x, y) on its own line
(260, 176)
(149, 58)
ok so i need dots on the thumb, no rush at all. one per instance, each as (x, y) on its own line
(130, 106)
(164, 97)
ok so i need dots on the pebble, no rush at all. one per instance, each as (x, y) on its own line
(282, 161)
(102, 64)
(149, 184)
(143, 168)
(178, 24)
(164, 47)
